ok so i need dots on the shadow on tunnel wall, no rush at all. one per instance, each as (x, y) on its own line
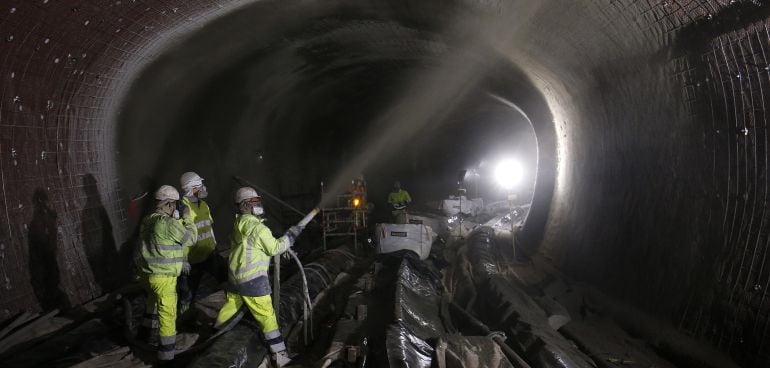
(44, 255)
(107, 265)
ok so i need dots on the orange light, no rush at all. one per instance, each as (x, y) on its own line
(356, 202)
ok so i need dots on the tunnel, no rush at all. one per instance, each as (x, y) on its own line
(641, 126)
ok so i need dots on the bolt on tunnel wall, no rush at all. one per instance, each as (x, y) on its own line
(650, 117)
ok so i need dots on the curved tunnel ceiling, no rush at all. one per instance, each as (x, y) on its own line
(649, 114)
(362, 92)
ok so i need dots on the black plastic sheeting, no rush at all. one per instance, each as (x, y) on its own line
(417, 319)
(418, 299)
(244, 345)
(482, 254)
(407, 350)
(476, 261)
(320, 274)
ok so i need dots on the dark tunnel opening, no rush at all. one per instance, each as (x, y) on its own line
(305, 104)
(641, 127)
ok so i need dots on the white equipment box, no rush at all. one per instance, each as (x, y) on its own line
(437, 224)
(457, 205)
(414, 237)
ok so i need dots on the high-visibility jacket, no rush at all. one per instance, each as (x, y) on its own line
(163, 239)
(399, 200)
(201, 215)
(252, 246)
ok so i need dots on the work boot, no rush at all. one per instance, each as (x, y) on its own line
(281, 358)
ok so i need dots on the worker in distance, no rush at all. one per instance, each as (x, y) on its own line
(399, 200)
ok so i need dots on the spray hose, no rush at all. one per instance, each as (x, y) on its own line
(307, 306)
(307, 311)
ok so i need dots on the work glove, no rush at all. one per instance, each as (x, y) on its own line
(295, 230)
(184, 213)
(186, 268)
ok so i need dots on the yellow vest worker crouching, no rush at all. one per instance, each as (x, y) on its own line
(252, 246)
(160, 260)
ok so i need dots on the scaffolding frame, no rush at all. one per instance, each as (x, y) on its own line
(343, 218)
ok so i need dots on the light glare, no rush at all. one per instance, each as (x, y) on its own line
(509, 173)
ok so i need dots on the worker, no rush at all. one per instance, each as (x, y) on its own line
(200, 254)
(357, 192)
(399, 199)
(357, 185)
(252, 245)
(160, 260)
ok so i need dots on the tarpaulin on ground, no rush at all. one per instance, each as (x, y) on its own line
(482, 254)
(407, 350)
(418, 299)
(320, 274)
(417, 315)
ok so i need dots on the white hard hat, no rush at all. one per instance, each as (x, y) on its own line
(245, 193)
(190, 180)
(167, 193)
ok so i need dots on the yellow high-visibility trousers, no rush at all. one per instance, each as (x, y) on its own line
(161, 301)
(261, 308)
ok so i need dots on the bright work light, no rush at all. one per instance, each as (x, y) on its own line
(509, 173)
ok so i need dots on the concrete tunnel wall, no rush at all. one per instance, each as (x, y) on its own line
(659, 182)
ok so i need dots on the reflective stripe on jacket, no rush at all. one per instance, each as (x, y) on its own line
(162, 242)
(252, 246)
(206, 243)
